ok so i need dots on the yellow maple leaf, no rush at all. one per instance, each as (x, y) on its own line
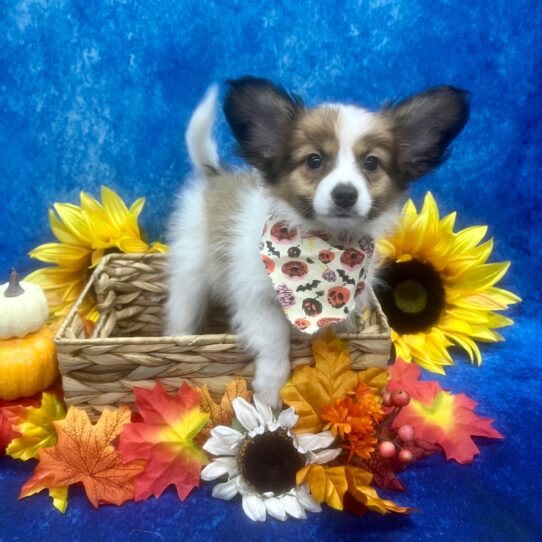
(375, 378)
(37, 431)
(359, 486)
(310, 389)
(330, 484)
(326, 484)
(222, 413)
(36, 427)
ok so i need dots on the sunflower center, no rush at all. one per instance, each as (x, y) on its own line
(269, 462)
(412, 296)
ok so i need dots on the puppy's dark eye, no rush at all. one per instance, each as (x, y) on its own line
(371, 163)
(314, 161)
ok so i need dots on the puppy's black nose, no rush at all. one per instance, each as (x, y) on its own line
(344, 195)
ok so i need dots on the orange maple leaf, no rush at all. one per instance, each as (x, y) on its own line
(84, 454)
(222, 413)
(438, 416)
(165, 439)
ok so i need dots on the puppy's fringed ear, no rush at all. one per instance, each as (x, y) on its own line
(425, 124)
(260, 115)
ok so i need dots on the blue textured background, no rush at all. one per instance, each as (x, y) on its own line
(100, 93)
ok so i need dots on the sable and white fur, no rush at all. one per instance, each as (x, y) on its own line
(216, 230)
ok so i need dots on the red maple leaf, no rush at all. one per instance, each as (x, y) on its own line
(438, 416)
(406, 376)
(385, 469)
(165, 440)
(7, 434)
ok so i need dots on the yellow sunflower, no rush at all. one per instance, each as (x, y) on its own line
(85, 234)
(437, 289)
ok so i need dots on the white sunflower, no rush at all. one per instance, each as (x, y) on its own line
(261, 461)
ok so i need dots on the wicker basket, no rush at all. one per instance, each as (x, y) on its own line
(126, 348)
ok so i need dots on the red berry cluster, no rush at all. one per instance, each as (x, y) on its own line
(392, 443)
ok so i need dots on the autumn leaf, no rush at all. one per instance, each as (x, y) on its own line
(9, 418)
(385, 469)
(88, 326)
(331, 484)
(438, 416)
(406, 376)
(310, 389)
(449, 420)
(84, 454)
(375, 378)
(222, 413)
(35, 400)
(326, 484)
(59, 495)
(7, 431)
(165, 439)
(35, 430)
(35, 425)
(359, 486)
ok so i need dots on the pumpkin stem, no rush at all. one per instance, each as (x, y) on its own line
(14, 288)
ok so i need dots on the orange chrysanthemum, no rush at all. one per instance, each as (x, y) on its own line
(355, 419)
(361, 445)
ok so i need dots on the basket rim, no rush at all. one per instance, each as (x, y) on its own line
(186, 340)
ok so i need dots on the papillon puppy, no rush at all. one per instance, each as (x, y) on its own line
(333, 168)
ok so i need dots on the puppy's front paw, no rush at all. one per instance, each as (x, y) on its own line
(268, 391)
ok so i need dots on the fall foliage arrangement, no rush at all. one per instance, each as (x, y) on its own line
(341, 436)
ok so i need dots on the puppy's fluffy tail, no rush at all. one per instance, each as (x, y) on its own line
(199, 139)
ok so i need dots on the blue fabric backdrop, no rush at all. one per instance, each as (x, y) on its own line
(99, 92)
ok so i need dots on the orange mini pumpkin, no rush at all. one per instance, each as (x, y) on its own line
(28, 363)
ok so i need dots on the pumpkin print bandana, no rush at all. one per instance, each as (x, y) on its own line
(316, 276)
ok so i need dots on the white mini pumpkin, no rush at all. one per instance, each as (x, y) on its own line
(23, 308)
